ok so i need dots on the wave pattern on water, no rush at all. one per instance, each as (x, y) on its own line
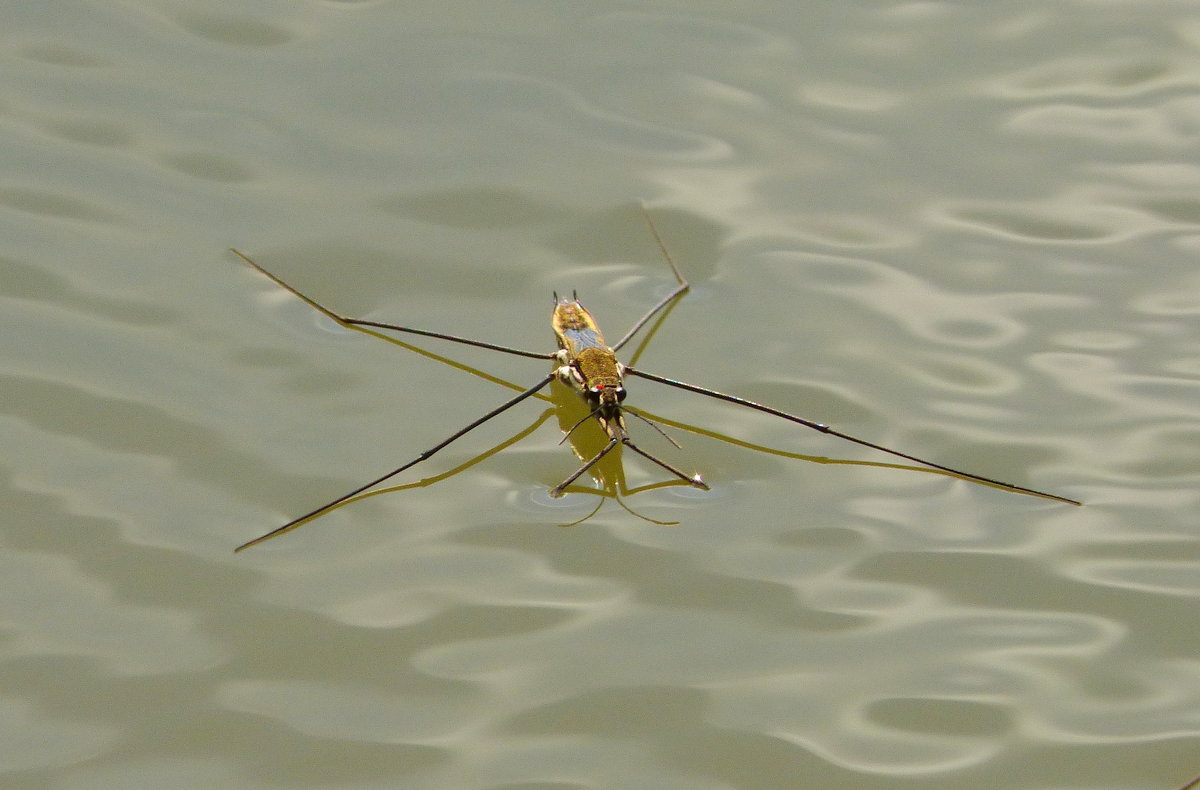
(966, 230)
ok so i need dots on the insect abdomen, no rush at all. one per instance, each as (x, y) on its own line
(575, 328)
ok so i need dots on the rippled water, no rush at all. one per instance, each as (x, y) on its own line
(966, 230)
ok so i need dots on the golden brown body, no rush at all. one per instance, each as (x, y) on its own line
(585, 360)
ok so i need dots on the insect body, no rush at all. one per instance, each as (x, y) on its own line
(587, 364)
(591, 367)
(585, 360)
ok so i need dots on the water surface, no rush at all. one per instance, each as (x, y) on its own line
(966, 230)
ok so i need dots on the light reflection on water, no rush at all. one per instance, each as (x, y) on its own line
(969, 232)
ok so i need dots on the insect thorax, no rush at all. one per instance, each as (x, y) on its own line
(599, 368)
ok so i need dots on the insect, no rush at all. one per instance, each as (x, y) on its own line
(587, 364)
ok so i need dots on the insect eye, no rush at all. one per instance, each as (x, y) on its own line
(620, 394)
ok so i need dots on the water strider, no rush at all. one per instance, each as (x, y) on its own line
(588, 365)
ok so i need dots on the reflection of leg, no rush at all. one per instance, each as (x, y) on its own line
(422, 457)
(464, 466)
(353, 322)
(683, 385)
(455, 338)
(557, 491)
(679, 291)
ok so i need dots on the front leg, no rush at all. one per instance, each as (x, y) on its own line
(567, 372)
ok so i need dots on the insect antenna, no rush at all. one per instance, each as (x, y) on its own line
(625, 410)
(582, 420)
(624, 439)
(653, 425)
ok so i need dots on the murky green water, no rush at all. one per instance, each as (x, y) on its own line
(966, 230)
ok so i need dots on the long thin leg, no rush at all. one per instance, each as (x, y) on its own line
(353, 322)
(683, 385)
(458, 470)
(681, 289)
(693, 479)
(557, 491)
(423, 456)
(455, 338)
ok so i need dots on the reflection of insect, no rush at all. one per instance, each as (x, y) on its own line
(586, 363)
